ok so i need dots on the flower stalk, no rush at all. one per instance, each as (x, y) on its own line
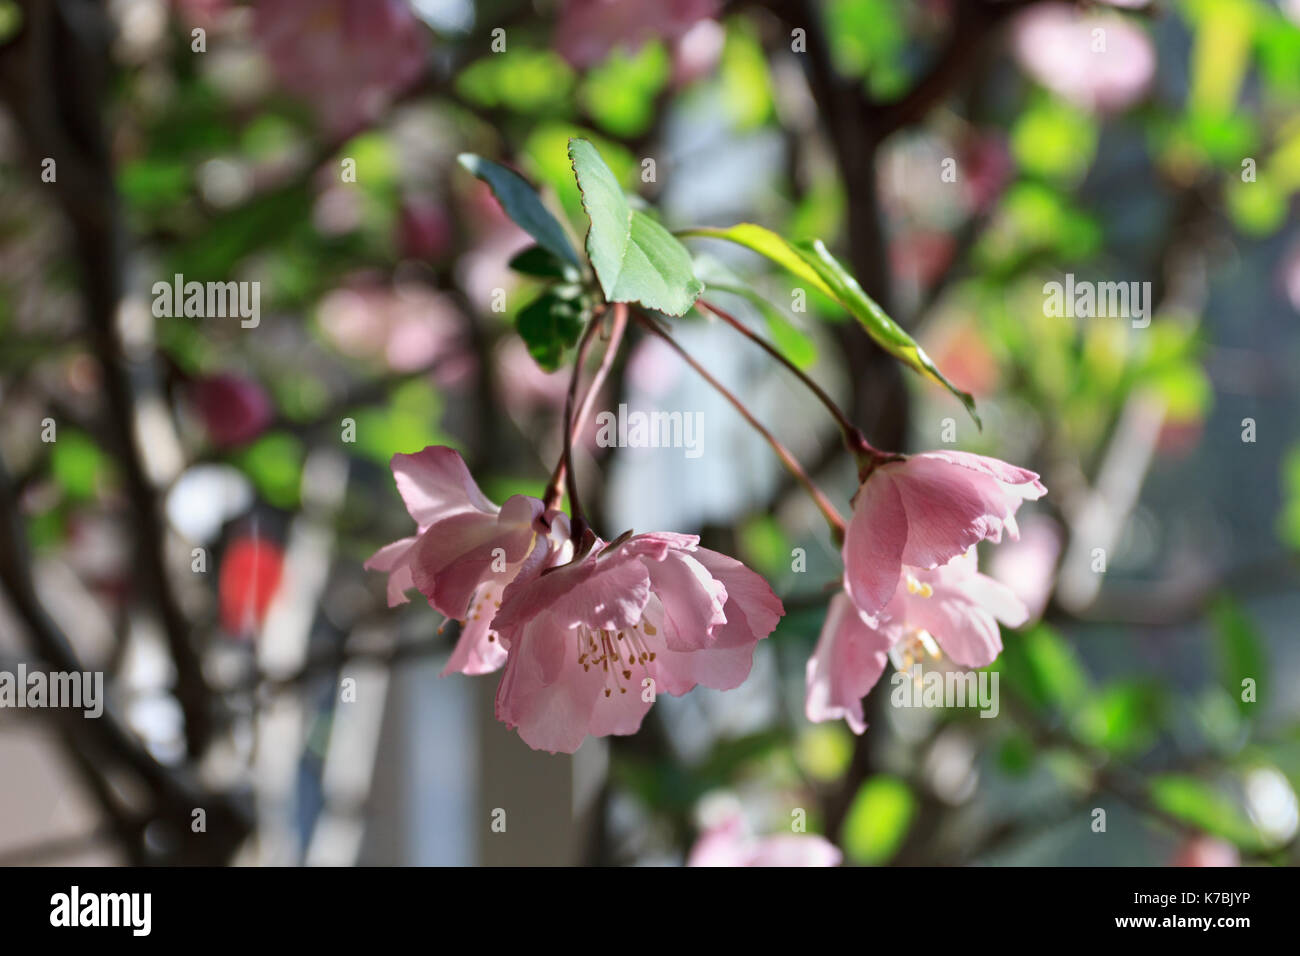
(784, 454)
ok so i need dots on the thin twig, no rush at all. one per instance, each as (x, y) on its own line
(787, 458)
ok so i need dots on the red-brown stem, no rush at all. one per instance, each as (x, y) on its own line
(854, 440)
(787, 458)
(563, 473)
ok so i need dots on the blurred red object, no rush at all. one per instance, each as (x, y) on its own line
(250, 575)
(234, 410)
(347, 58)
(424, 230)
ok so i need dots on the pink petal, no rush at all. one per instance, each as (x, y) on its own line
(692, 600)
(478, 650)
(393, 559)
(874, 542)
(966, 632)
(849, 659)
(544, 692)
(607, 595)
(435, 484)
(752, 609)
(457, 553)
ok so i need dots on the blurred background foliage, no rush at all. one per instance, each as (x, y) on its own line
(310, 146)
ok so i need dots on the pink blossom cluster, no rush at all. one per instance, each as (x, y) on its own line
(586, 636)
(911, 582)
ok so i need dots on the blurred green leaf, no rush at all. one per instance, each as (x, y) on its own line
(825, 750)
(743, 71)
(523, 80)
(635, 258)
(76, 463)
(1197, 803)
(1258, 208)
(1054, 140)
(1289, 519)
(522, 204)
(878, 820)
(408, 423)
(1043, 668)
(1122, 718)
(620, 93)
(274, 464)
(812, 262)
(1241, 651)
(766, 545)
(1224, 31)
(547, 149)
(11, 20)
(1016, 755)
(868, 38)
(153, 184)
(228, 238)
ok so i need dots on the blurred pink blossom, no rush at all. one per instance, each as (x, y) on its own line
(200, 13)
(589, 29)
(234, 410)
(697, 51)
(731, 843)
(348, 58)
(1100, 62)
(1028, 566)
(407, 328)
(1207, 851)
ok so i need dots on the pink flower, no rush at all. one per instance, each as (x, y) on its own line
(732, 844)
(465, 550)
(923, 511)
(592, 642)
(951, 610)
(346, 57)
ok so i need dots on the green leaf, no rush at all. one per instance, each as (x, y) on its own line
(635, 258)
(538, 262)
(550, 326)
(1241, 652)
(522, 204)
(1199, 804)
(878, 820)
(813, 263)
